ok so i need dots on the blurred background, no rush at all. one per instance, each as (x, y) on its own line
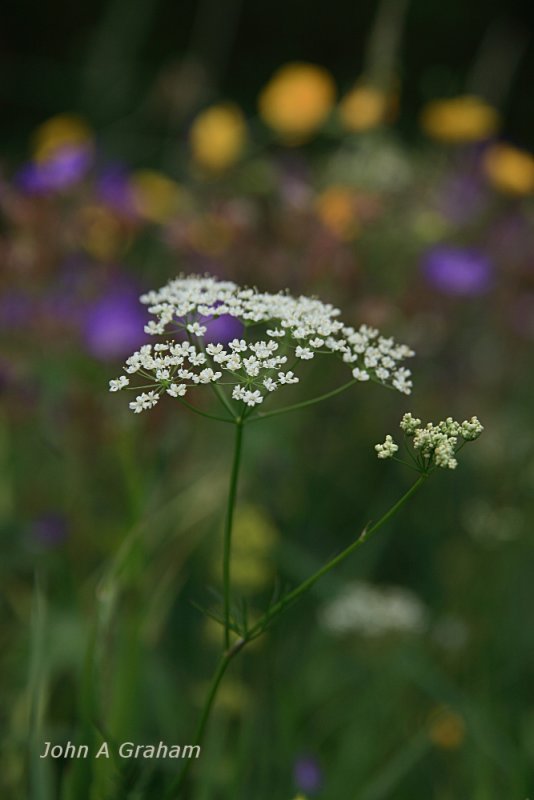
(378, 154)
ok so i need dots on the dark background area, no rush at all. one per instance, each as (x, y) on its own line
(114, 60)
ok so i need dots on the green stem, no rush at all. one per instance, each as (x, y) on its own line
(206, 711)
(232, 491)
(275, 610)
(204, 413)
(367, 533)
(305, 403)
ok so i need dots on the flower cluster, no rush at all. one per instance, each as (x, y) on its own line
(435, 445)
(280, 332)
(374, 611)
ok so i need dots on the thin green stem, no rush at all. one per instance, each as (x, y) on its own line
(367, 533)
(206, 711)
(205, 413)
(305, 403)
(227, 552)
(275, 611)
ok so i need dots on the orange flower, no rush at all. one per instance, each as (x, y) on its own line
(363, 108)
(297, 100)
(509, 169)
(335, 208)
(460, 119)
(217, 137)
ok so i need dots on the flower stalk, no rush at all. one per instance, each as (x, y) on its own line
(227, 546)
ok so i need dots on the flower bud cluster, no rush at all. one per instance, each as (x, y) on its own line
(434, 444)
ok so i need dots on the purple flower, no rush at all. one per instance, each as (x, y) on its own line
(49, 529)
(114, 188)
(221, 330)
(114, 323)
(307, 775)
(457, 270)
(65, 167)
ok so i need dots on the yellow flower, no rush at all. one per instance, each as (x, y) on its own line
(57, 132)
(233, 696)
(253, 539)
(447, 729)
(217, 137)
(156, 196)
(363, 108)
(460, 119)
(509, 169)
(297, 100)
(103, 237)
(336, 210)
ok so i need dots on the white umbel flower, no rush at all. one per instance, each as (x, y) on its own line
(374, 611)
(253, 365)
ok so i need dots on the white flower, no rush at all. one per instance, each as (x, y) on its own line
(471, 429)
(177, 389)
(214, 349)
(238, 393)
(253, 398)
(303, 352)
(287, 377)
(120, 383)
(388, 449)
(196, 328)
(209, 376)
(409, 424)
(374, 611)
(238, 345)
(251, 365)
(360, 374)
(144, 401)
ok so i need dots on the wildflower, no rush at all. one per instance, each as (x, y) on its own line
(436, 445)
(307, 774)
(120, 383)
(336, 209)
(388, 449)
(374, 611)
(457, 270)
(253, 367)
(156, 196)
(409, 424)
(459, 119)
(297, 100)
(144, 401)
(59, 132)
(363, 108)
(509, 169)
(217, 137)
(113, 323)
(177, 389)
